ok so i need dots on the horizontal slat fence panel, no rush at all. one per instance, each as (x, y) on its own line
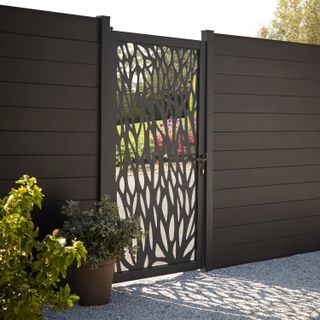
(266, 140)
(265, 176)
(61, 189)
(265, 231)
(266, 194)
(244, 159)
(48, 49)
(25, 95)
(266, 86)
(247, 103)
(48, 143)
(266, 122)
(50, 166)
(266, 147)
(38, 119)
(49, 106)
(257, 213)
(268, 49)
(244, 253)
(266, 68)
(48, 24)
(44, 72)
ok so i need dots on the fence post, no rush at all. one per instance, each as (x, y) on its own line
(107, 110)
(207, 39)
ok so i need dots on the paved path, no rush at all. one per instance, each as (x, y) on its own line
(287, 288)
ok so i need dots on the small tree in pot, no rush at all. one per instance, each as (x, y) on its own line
(106, 237)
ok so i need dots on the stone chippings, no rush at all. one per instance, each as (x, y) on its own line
(286, 288)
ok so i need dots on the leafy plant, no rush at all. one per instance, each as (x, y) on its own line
(30, 269)
(105, 235)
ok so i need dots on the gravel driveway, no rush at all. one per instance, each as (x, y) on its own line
(287, 288)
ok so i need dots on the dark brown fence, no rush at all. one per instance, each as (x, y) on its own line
(266, 123)
(49, 98)
(263, 130)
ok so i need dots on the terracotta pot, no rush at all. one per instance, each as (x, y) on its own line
(93, 286)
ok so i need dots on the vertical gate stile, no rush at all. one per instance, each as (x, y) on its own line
(208, 38)
(107, 109)
(201, 178)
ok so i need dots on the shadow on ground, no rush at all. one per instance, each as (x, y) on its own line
(286, 288)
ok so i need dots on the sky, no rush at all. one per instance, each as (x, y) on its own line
(175, 18)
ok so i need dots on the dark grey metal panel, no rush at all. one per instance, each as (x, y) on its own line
(270, 49)
(156, 271)
(48, 72)
(44, 96)
(108, 129)
(48, 24)
(157, 110)
(157, 40)
(48, 49)
(208, 38)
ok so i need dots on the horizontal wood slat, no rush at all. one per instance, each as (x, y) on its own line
(269, 49)
(25, 95)
(266, 212)
(61, 189)
(267, 68)
(48, 24)
(266, 122)
(244, 253)
(53, 166)
(266, 140)
(239, 103)
(266, 194)
(265, 176)
(266, 149)
(37, 119)
(265, 231)
(260, 85)
(225, 160)
(40, 48)
(43, 143)
(31, 71)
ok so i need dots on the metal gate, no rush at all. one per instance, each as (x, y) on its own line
(158, 167)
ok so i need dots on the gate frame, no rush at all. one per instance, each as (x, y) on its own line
(207, 37)
(109, 40)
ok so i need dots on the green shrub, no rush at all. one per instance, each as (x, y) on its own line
(105, 235)
(30, 270)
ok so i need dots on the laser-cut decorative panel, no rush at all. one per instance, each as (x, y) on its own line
(157, 132)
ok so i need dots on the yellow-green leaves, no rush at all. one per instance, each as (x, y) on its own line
(30, 269)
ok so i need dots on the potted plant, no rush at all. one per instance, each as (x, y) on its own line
(106, 237)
